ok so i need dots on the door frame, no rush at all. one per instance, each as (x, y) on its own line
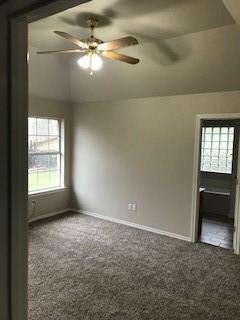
(14, 246)
(196, 180)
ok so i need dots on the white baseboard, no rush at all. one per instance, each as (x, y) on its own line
(124, 222)
(48, 215)
(133, 225)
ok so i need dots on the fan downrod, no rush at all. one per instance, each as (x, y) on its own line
(92, 22)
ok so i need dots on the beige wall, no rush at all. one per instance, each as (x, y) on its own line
(140, 151)
(48, 76)
(59, 200)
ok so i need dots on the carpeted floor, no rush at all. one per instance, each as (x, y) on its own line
(82, 268)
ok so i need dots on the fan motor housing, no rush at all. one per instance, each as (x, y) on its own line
(92, 42)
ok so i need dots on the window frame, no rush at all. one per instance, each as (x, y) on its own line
(61, 154)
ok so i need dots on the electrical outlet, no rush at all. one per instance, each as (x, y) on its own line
(134, 207)
(129, 207)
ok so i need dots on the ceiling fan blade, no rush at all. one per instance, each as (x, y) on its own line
(74, 40)
(121, 57)
(61, 51)
(117, 44)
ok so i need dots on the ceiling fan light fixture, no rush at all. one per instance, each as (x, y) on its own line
(84, 62)
(96, 62)
(94, 48)
(92, 61)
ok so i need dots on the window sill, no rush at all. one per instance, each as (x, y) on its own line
(46, 191)
(207, 173)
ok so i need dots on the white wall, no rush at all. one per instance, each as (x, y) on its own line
(59, 200)
(48, 76)
(49, 91)
(141, 151)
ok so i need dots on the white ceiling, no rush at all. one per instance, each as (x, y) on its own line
(148, 20)
(185, 46)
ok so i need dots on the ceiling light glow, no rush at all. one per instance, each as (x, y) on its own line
(84, 62)
(92, 61)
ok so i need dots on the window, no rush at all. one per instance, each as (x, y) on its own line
(44, 154)
(217, 149)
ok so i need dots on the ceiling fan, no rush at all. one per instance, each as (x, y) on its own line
(94, 48)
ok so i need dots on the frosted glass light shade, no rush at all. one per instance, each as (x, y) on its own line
(84, 62)
(92, 61)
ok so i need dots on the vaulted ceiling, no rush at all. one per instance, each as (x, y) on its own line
(186, 46)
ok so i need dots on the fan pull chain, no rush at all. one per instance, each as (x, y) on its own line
(91, 70)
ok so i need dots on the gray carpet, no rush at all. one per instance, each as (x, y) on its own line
(89, 269)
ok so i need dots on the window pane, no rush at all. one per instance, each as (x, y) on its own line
(32, 143)
(224, 130)
(215, 153)
(208, 137)
(223, 153)
(207, 152)
(206, 160)
(32, 126)
(217, 149)
(223, 145)
(216, 130)
(215, 145)
(32, 172)
(208, 130)
(224, 137)
(53, 127)
(32, 181)
(42, 144)
(214, 160)
(53, 144)
(42, 126)
(208, 145)
(223, 169)
(230, 138)
(216, 137)
(43, 179)
(54, 162)
(54, 178)
(222, 161)
(214, 168)
(206, 167)
(32, 163)
(42, 162)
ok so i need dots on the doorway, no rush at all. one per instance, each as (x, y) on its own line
(216, 181)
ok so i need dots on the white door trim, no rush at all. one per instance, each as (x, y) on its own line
(14, 99)
(196, 180)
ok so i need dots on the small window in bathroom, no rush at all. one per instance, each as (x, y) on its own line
(217, 149)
